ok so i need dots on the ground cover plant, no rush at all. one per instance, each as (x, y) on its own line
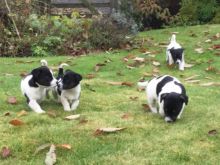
(110, 99)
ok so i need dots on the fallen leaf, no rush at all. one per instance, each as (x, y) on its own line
(212, 132)
(188, 65)
(83, 121)
(208, 40)
(146, 107)
(193, 81)
(100, 131)
(216, 46)
(23, 74)
(156, 63)
(90, 76)
(113, 83)
(5, 152)
(126, 116)
(12, 100)
(156, 70)
(42, 147)
(51, 113)
(147, 74)
(139, 59)
(64, 146)
(174, 32)
(191, 77)
(98, 66)
(16, 122)
(7, 114)
(22, 113)
(134, 98)
(211, 69)
(51, 156)
(130, 84)
(210, 84)
(130, 67)
(8, 74)
(199, 50)
(72, 117)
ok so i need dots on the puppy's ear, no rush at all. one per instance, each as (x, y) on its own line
(35, 73)
(163, 96)
(78, 77)
(184, 98)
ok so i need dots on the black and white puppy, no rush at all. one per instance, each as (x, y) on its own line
(68, 88)
(175, 53)
(35, 85)
(167, 92)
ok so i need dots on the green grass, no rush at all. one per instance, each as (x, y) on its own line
(147, 139)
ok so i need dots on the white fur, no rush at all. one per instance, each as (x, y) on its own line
(43, 62)
(175, 45)
(70, 98)
(35, 94)
(154, 100)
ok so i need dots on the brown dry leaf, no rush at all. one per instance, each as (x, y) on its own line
(22, 113)
(7, 114)
(101, 131)
(156, 63)
(12, 100)
(98, 66)
(147, 74)
(16, 122)
(193, 81)
(174, 32)
(5, 152)
(188, 65)
(126, 116)
(130, 67)
(156, 70)
(211, 69)
(146, 107)
(90, 76)
(199, 50)
(64, 146)
(212, 132)
(113, 83)
(139, 59)
(42, 147)
(72, 117)
(83, 121)
(130, 56)
(210, 84)
(216, 46)
(191, 77)
(51, 113)
(23, 74)
(134, 98)
(130, 84)
(51, 156)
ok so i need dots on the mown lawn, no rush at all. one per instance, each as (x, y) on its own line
(147, 139)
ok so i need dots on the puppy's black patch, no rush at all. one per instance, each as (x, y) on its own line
(163, 82)
(71, 79)
(173, 104)
(176, 54)
(42, 76)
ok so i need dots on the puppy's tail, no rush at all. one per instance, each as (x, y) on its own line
(142, 85)
(62, 65)
(173, 38)
(60, 71)
(43, 62)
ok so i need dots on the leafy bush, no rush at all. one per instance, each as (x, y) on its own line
(104, 33)
(196, 11)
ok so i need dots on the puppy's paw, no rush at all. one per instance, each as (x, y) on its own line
(40, 111)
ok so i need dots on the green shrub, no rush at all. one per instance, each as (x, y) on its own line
(196, 12)
(105, 34)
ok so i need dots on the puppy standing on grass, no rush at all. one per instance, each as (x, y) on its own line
(168, 93)
(175, 54)
(35, 85)
(68, 88)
